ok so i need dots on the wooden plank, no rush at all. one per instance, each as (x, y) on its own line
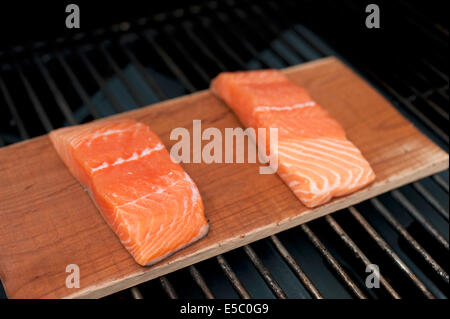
(48, 222)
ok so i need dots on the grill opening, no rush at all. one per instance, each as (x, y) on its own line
(142, 61)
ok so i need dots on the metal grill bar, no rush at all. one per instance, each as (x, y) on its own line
(333, 262)
(409, 106)
(148, 78)
(241, 17)
(390, 252)
(419, 217)
(100, 81)
(222, 43)
(236, 34)
(188, 56)
(435, 70)
(233, 278)
(423, 18)
(34, 100)
(296, 268)
(265, 273)
(275, 30)
(441, 182)
(60, 100)
(358, 253)
(411, 241)
(286, 17)
(13, 109)
(419, 73)
(312, 43)
(170, 63)
(168, 288)
(198, 278)
(422, 96)
(430, 199)
(136, 293)
(205, 50)
(136, 96)
(77, 85)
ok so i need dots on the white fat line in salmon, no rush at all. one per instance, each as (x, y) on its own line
(284, 108)
(232, 143)
(147, 151)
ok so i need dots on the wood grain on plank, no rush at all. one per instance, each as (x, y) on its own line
(47, 221)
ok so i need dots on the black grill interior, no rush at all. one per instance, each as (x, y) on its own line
(141, 61)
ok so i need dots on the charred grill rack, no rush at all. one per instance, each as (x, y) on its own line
(132, 64)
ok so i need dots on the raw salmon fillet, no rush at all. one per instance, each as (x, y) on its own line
(315, 159)
(149, 201)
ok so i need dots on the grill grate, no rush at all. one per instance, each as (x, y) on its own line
(137, 63)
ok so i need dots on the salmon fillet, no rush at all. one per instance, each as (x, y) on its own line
(150, 202)
(315, 159)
